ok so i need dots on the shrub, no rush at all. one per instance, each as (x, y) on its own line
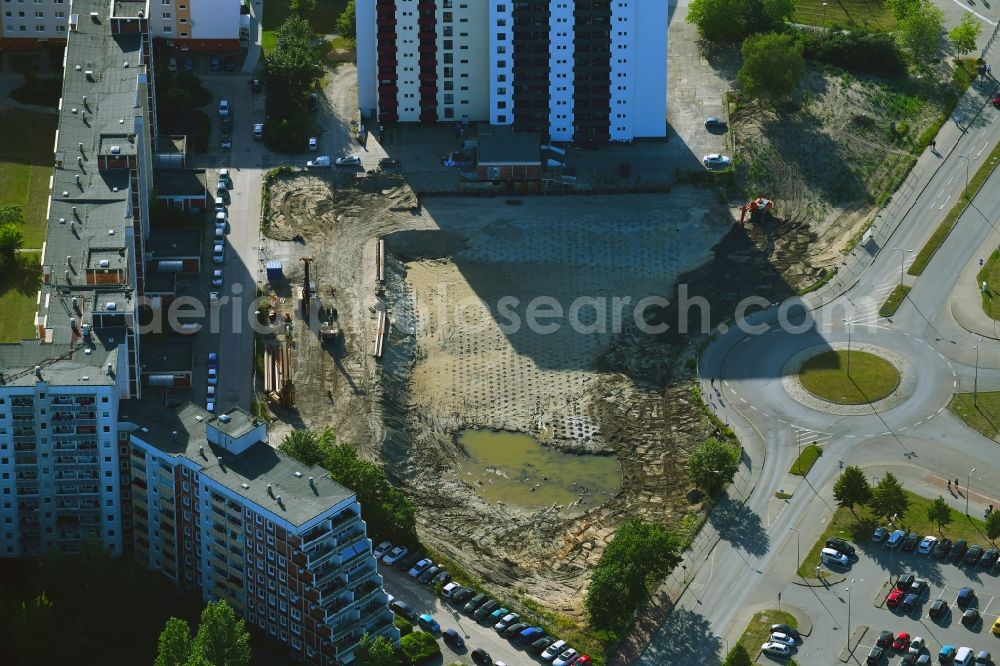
(402, 624)
(855, 51)
(419, 647)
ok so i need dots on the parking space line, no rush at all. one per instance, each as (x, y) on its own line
(986, 607)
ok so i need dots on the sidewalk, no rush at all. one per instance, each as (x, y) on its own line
(966, 300)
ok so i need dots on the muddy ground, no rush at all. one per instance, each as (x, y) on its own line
(452, 361)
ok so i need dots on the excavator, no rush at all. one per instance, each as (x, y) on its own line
(758, 208)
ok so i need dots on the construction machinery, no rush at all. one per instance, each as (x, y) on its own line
(306, 290)
(758, 208)
(329, 327)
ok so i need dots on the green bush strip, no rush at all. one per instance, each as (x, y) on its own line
(759, 629)
(895, 299)
(806, 460)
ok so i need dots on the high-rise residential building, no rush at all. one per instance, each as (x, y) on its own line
(201, 498)
(195, 25)
(215, 507)
(573, 70)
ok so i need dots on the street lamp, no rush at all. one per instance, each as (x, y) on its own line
(975, 381)
(849, 322)
(848, 590)
(902, 261)
(967, 482)
(967, 160)
(723, 638)
(798, 551)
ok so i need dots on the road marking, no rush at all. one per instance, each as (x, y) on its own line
(983, 612)
(954, 383)
(945, 202)
(974, 13)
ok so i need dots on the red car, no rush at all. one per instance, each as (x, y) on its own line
(902, 642)
(996, 101)
(895, 597)
(582, 660)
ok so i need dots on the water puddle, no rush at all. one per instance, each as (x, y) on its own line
(513, 468)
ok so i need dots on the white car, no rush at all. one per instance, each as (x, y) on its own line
(223, 107)
(320, 161)
(917, 645)
(776, 649)
(927, 545)
(213, 297)
(778, 637)
(213, 376)
(218, 253)
(553, 650)
(506, 621)
(211, 391)
(395, 555)
(210, 406)
(220, 233)
(716, 161)
(449, 589)
(381, 549)
(349, 160)
(224, 174)
(217, 277)
(313, 143)
(420, 567)
(566, 658)
(258, 130)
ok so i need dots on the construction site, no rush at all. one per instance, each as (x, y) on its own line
(414, 340)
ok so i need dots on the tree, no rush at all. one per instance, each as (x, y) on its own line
(640, 555)
(301, 6)
(852, 488)
(888, 497)
(378, 651)
(293, 65)
(419, 647)
(964, 35)
(306, 447)
(919, 30)
(713, 464)
(11, 240)
(772, 65)
(175, 644)
(222, 638)
(734, 20)
(738, 656)
(346, 25)
(939, 513)
(993, 525)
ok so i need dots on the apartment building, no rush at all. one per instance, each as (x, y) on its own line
(188, 25)
(216, 508)
(573, 70)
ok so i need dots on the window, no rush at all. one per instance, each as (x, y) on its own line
(166, 15)
(167, 28)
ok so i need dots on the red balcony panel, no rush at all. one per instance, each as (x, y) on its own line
(428, 90)
(388, 117)
(387, 22)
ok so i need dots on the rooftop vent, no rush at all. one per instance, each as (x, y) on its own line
(224, 418)
(62, 220)
(95, 17)
(298, 475)
(89, 74)
(38, 371)
(73, 110)
(220, 460)
(116, 150)
(104, 263)
(173, 433)
(65, 193)
(199, 420)
(78, 68)
(245, 486)
(110, 306)
(201, 449)
(269, 491)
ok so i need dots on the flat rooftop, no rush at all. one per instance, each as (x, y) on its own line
(174, 243)
(159, 356)
(186, 182)
(181, 432)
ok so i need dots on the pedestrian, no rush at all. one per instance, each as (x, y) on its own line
(949, 484)
(934, 144)
(956, 480)
(841, 464)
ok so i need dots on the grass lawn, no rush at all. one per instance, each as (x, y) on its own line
(990, 274)
(859, 529)
(25, 167)
(323, 19)
(806, 460)
(984, 416)
(18, 296)
(895, 299)
(866, 14)
(871, 378)
(759, 629)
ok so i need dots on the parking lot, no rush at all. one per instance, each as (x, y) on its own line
(854, 603)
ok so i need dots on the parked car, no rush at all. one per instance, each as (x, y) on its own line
(716, 161)
(381, 549)
(449, 589)
(218, 253)
(947, 654)
(515, 629)
(395, 554)
(420, 567)
(927, 545)
(475, 602)
(776, 650)
(970, 617)
(481, 656)
(958, 550)
(189, 64)
(402, 608)
(485, 609)
(973, 554)
(878, 536)
(408, 561)
(941, 549)
(917, 645)
(965, 596)
(452, 638)
(885, 639)
(895, 598)
(904, 582)
(567, 657)
(389, 163)
(582, 660)
(223, 107)
(215, 64)
(829, 556)
(778, 637)
(540, 645)
(920, 586)
(530, 635)
(443, 577)
(713, 122)
(229, 63)
(349, 160)
(989, 558)
(258, 130)
(983, 658)
(499, 614)
(901, 642)
(841, 546)
(429, 574)
(895, 539)
(938, 609)
(461, 596)
(313, 144)
(875, 656)
(996, 627)
(227, 125)
(318, 162)
(256, 85)
(910, 602)
(910, 542)
(552, 651)
(428, 623)
(786, 629)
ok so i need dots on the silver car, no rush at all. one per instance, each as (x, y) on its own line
(716, 161)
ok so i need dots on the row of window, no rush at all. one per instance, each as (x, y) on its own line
(38, 14)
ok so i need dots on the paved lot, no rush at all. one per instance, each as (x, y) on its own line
(477, 635)
(868, 579)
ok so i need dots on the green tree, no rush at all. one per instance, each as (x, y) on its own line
(11, 214)
(346, 25)
(378, 651)
(174, 644)
(640, 555)
(939, 513)
(713, 464)
(734, 20)
(222, 638)
(11, 240)
(293, 65)
(419, 647)
(888, 498)
(993, 525)
(307, 447)
(919, 31)
(738, 656)
(772, 65)
(852, 488)
(301, 6)
(964, 35)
